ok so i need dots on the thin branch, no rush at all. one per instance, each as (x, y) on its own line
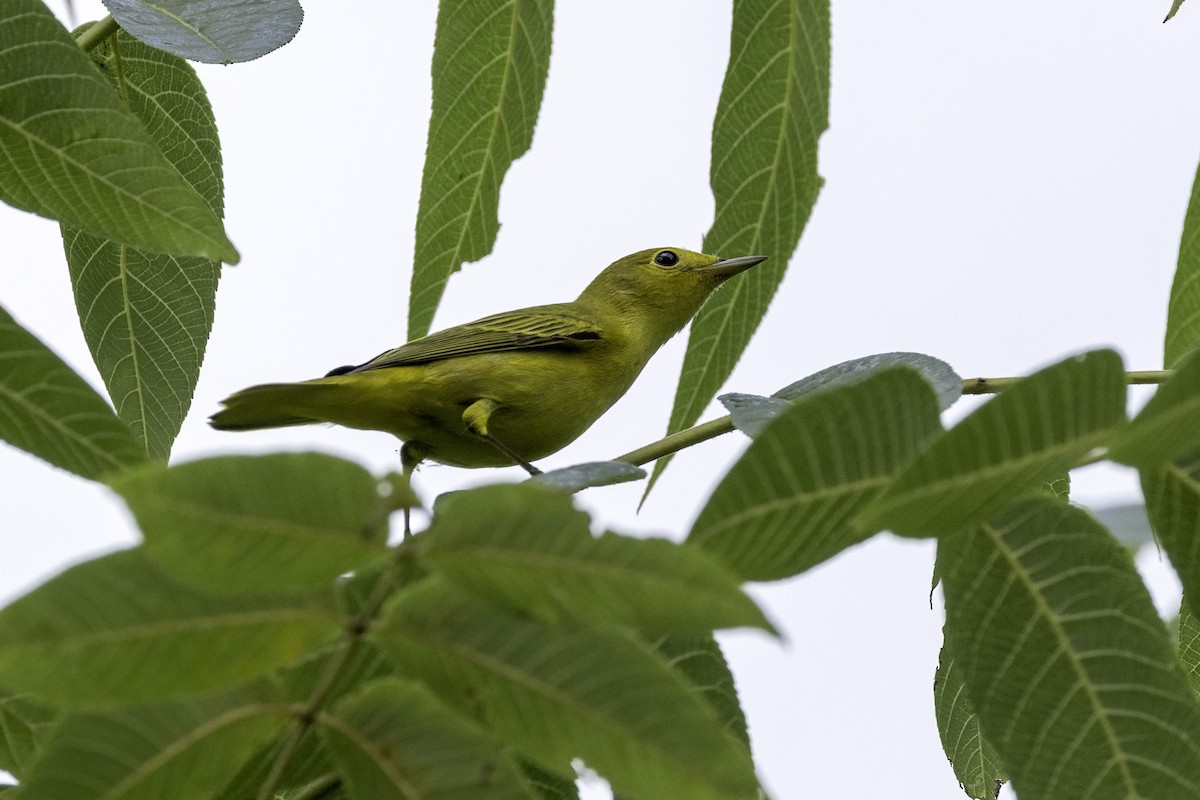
(93, 36)
(677, 441)
(993, 385)
(722, 425)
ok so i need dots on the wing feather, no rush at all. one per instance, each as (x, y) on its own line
(526, 329)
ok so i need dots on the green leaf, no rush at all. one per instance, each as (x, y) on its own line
(115, 629)
(1065, 660)
(1028, 435)
(561, 693)
(25, 725)
(1183, 310)
(976, 763)
(490, 60)
(787, 504)
(393, 739)
(1058, 488)
(69, 150)
(48, 410)
(1172, 493)
(530, 551)
(549, 786)
(1175, 4)
(1189, 645)
(146, 316)
(177, 750)
(701, 661)
(210, 31)
(1168, 426)
(281, 522)
(774, 106)
(578, 477)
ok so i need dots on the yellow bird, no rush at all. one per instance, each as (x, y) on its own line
(510, 388)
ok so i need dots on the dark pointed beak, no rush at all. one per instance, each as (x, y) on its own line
(728, 267)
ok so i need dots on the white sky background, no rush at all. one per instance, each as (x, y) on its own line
(1005, 185)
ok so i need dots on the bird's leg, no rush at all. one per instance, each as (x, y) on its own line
(411, 454)
(476, 419)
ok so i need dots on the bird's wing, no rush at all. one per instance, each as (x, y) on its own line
(527, 329)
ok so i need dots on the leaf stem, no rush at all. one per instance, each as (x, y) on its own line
(93, 36)
(320, 788)
(722, 425)
(355, 630)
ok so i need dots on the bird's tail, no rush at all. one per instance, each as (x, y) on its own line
(274, 405)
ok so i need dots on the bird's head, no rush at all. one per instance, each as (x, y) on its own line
(663, 287)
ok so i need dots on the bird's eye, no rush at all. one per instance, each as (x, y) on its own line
(666, 259)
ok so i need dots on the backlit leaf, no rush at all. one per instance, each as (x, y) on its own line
(490, 60)
(48, 410)
(1065, 660)
(69, 149)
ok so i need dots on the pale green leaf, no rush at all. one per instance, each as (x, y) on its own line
(281, 522)
(561, 693)
(395, 740)
(211, 31)
(1172, 493)
(1065, 660)
(530, 551)
(146, 316)
(1189, 644)
(752, 413)
(70, 150)
(774, 106)
(976, 763)
(25, 725)
(490, 60)
(946, 383)
(578, 477)
(48, 410)
(787, 504)
(180, 750)
(115, 629)
(1175, 4)
(1168, 426)
(1183, 310)
(1026, 436)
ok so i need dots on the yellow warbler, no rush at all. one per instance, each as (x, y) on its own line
(510, 388)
